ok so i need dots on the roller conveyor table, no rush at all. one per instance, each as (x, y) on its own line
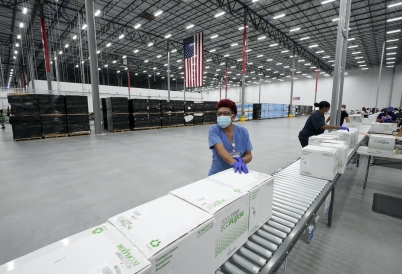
(296, 200)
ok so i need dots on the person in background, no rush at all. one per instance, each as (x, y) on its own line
(230, 144)
(344, 116)
(315, 124)
(387, 116)
(2, 119)
(365, 112)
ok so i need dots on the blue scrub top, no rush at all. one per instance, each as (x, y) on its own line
(217, 135)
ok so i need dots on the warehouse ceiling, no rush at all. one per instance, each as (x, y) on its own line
(277, 30)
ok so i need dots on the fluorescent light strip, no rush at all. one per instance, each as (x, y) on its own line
(261, 37)
(335, 19)
(351, 47)
(356, 52)
(394, 5)
(159, 12)
(313, 46)
(190, 26)
(284, 51)
(304, 38)
(234, 44)
(137, 26)
(393, 31)
(273, 45)
(219, 14)
(394, 19)
(351, 39)
(279, 16)
(321, 51)
(327, 1)
(295, 29)
(168, 36)
(392, 47)
(214, 36)
(392, 40)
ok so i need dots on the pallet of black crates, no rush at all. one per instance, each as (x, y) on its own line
(77, 115)
(117, 114)
(198, 117)
(104, 114)
(54, 125)
(25, 120)
(179, 119)
(167, 120)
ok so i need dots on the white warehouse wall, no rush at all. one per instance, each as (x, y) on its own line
(360, 89)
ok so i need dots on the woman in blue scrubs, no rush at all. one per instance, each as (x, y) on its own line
(230, 144)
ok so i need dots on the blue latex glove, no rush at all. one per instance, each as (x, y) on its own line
(240, 167)
(238, 159)
(344, 128)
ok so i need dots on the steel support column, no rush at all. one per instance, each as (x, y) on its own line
(168, 71)
(56, 67)
(244, 65)
(379, 76)
(291, 83)
(343, 63)
(226, 88)
(339, 53)
(259, 92)
(93, 64)
(392, 87)
(128, 81)
(317, 73)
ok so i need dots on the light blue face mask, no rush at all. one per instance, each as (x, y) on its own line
(224, 121)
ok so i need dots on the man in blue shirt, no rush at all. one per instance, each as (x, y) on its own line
(388, 116)
(230, 144)
(315, 124)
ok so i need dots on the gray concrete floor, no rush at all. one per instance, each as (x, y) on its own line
(51, 189)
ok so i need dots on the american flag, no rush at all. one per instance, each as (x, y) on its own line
(193, 48)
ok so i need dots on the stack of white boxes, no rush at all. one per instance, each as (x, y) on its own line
(319, 162)
(261, 190)
(356, 118)
(383, 128)
(102, 249)
(343, 153)
(194, 229)
(172, 234)
(381, 144)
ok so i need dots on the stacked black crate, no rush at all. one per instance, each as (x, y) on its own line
(257, 111)
(209, 112)
(138, 113)
(104, 113)
(198, 109)
(167, 117)
(25, 120)
(178, 109)
(52, 110)
(117, 113)
(77, 114)
(189, 113)
(154, 113)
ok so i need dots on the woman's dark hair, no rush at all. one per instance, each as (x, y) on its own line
(228, 104)
(322, 104)
(364, 108)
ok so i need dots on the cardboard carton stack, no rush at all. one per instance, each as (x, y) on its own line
(101, 249)
(381, 144)
(319, 162)
(52, 110)
(25, 120)
(173, 235)
(117, 113)
(383, 128)
(356, 118)
(77, 114)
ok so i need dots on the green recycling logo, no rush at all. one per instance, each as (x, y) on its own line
(236, 190)
(155, 243)
(97, 231)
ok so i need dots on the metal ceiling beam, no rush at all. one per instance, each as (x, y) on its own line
(262, 25)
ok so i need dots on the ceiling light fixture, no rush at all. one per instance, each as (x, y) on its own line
(212, 50)
(391, 58)
(394, 5)
(136, 50)
(313, 46)
(354, 46)
(335, 19)
(189, 26)
(273, 45)
(174, 50)
(121, 36)
(124, 56)
(351, 39)
(284, 51)
(97, 12)
(214, 36)
(150, 44)
(327, 1)
(261, 55)
(393, 47)
(219, 14)
(360, 62)
(137, 26)
(108, 45)
(295, 29)
(24, 10)
(84, 26)
(261, 37)
(279, 16)
(114, 61)
(168, 36)
(394, 19)
(393, 31)
(391, 53)
(234, 44)
(392, 40)
(269, 60)
(304, 38)
(158, 12)
(356, 52)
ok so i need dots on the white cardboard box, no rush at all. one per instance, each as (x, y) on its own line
(230, 207)
(383, 128)
(175, 236)
(261, 191)
(99, 250)
(318, 139)
(352, 125)
(381, 144)
(343, 154)
(356, 118)
(319, 162)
